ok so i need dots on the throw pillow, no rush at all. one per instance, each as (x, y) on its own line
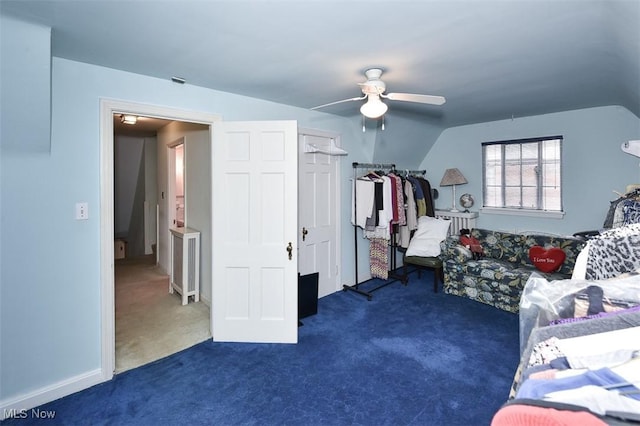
(426, 240)
(547, 260)
(431, 227)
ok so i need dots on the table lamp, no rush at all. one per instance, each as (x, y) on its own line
(453, 177)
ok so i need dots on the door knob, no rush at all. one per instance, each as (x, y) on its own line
(290, 250)
(304, 233)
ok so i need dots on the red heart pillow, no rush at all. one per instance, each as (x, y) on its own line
(549, 260)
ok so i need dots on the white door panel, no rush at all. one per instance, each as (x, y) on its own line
(255, 294)
(318, 214)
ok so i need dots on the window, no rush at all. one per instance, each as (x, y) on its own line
(523, 174)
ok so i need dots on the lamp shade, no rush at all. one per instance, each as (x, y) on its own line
(452, 177)
(374, 107)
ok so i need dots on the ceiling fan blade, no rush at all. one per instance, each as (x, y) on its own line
(339, 102)
(421, 99)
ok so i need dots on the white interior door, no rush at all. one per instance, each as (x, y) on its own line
(318, 213)
(254, 205)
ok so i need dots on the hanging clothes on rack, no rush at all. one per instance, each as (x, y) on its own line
(386, 206)
(378, 227)
(421, 203)
(378, 230)
(379, 258)
(377, 222)
(375, 209)
(428, 197)
(364, 205)
(411, 214)
(418, 202)
(400, 217)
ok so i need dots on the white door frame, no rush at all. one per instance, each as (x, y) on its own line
(109, 107)
(172, 217)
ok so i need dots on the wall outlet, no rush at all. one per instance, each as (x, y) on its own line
(82, 211)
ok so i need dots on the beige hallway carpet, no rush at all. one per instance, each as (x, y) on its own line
(151, 323)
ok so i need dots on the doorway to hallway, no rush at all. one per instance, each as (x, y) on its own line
(139, 281)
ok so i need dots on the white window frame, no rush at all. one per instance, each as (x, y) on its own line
(521, 211)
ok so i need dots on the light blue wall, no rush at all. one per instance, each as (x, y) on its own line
(593, 164)
(50, 293)
(406, 140)
(25, 52)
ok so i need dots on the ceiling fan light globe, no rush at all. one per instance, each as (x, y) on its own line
(374, 108)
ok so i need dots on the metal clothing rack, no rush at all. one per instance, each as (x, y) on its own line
(356, 286)
(413, 172)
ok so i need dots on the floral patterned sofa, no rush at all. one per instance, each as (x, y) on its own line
(498, 277)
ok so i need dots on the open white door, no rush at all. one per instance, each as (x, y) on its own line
(255, 210)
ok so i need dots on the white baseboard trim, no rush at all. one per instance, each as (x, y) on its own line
(14, 406)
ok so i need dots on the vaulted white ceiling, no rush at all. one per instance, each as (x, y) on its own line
(491, 59)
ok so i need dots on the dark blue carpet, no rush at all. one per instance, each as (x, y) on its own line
(408, 357)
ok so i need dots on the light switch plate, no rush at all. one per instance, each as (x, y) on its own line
(82, 211)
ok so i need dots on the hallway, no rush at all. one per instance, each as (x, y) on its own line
(151, 323)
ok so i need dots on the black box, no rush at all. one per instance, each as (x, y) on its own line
(307, 295)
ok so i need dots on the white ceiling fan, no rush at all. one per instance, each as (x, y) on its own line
(374, 89)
